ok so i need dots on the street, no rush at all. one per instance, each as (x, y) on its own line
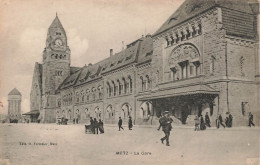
(68, 144)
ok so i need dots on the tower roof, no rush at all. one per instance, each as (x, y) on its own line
(56, 23)
(14, 92)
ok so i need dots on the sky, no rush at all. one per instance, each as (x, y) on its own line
(93, 27)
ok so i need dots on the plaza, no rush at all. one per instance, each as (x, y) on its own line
(68, 144)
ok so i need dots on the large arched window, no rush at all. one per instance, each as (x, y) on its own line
(109, 112)
(126, 111)
(97, 113)
(146, 110)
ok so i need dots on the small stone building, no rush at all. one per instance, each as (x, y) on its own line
(14, 105)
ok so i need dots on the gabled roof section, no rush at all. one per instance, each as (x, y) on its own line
(138, 51)
(56, 23)
(74, 69)
(146, 50)
(70, 80)
(191, 8)
(14, 92)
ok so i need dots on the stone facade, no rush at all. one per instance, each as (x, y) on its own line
(200, 60)
(14, 105)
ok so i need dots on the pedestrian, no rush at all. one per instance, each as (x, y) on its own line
(227, 121)
(220, 120)
(92, 125)
(197, 123)
(166, 121)
(101, 126)
(96, 126)
(250, 119)
(230, 119)
(202, 123)
(120, 122)
(207, 119)
(130, 123)
(160, 123)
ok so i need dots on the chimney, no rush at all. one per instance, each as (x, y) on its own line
(111, 52)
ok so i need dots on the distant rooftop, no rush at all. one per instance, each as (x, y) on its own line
(14, 92)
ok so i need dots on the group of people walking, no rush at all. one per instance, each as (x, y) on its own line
(96, 126)
(130, 123)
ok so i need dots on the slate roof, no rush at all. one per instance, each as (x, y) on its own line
(74, 69)
(14, 92)
(191, 8)
(56, 23)
(139, 51)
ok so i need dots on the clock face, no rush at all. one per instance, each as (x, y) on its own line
(58, 42)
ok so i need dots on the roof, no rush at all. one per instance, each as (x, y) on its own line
(14, 92)
(139, 51)
(191, 8)
(74, 69)
(187, 90)
(34, 112)
(56, 23)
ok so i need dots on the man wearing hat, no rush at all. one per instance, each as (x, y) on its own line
(165, 123)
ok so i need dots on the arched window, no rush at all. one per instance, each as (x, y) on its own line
(94, 93)
(87, 114)
(97, 113)
(147, 83)
(142, 83)
(146, 110)
(130, 84)
(77, 96)
(212, 64)
(126, 110)
(87, 93)
(100, 92)
(125, 84)
(109, 112)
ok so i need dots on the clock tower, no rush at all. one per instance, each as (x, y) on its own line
(55, 68)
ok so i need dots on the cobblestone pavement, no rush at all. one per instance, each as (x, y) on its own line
(68, 145)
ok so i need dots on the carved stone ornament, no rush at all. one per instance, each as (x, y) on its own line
(183, 52)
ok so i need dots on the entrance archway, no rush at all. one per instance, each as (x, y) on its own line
(146, 110)
(97, 113)
(126, 110)
(109, 112)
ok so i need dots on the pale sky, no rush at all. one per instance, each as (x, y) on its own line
(92, 26)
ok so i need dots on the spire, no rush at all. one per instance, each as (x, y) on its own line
(56, 22)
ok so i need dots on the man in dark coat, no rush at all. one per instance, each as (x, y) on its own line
(220, 120)
(207, 120)
(230, 117)
(165, 123)
(120, 122)
(92, 125)
(96, 126)
(250, 118)
(202, 123)
(101, 126)
(130, 123)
